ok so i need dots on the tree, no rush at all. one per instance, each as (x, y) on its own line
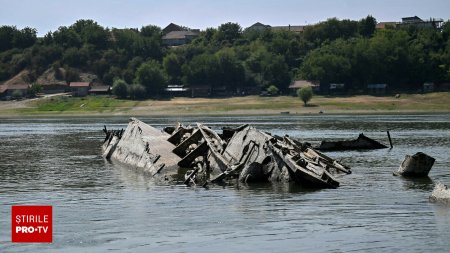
(273, 90)
(136, 91)
(151, 76)
(366, 26)
(34, 89)
(120, 88)
(305, 94)
(228, 32)
(172, 67)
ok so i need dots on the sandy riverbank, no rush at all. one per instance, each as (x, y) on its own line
(251, 105)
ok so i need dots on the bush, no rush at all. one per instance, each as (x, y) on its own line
(305, 94)
(273, 90)
(34, 89)
(136, 91)
(16, 94)
(120, 88)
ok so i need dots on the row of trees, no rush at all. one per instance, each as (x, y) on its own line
(334, 51)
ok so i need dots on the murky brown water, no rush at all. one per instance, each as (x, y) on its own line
(100, 207)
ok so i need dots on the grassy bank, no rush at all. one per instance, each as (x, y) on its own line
(420, 103)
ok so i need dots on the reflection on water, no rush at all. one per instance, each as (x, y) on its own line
(99, 206)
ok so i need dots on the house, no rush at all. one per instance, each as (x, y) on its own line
(3, 89)
(258, 27)
(100, 90)
(52, 81)
(80, 89)
(173, 27)
(178, 38)
(377, 89)
(428, 87)
(384, 25)
(418, 22)
(289, 28)
(298, 84)
(175, 90)
(13, 90)
(336, 88)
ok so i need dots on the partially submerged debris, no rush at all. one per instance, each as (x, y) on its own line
(440, 193)
(362, 142)
(418, 165)
(242, 153)
(142, 146)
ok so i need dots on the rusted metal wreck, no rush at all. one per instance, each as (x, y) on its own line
(198, 155)
(361, 143)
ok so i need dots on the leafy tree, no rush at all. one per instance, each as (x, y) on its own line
(151, 76)
(92, 33)
(201, 70)
(366, 26)
(34, 89)
(273, 90)
(305, 94)
(228, 32)
(120, 88)
(172, 67)
(136, 91)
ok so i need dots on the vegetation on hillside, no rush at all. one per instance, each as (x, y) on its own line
(334, 51)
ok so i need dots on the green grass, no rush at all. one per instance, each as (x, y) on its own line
(63, 104)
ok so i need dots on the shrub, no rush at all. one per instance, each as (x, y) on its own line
(305, 94)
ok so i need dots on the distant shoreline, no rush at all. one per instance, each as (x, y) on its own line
(431, 103)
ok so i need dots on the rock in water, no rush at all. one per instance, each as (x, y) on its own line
(440, 193)
(418, 165)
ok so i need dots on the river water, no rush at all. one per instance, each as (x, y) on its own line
(98, 206)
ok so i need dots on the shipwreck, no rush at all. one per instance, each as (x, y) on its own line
(197, 155)
(361, 143)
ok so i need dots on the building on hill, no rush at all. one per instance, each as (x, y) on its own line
(13, 89)
(52, 81)
(418, 22)
(100, 90)
(3, 89)
(289, 28)
(80, 89)
(261, 27)
(298, 84)
(173, 27)
(178, 38)
(384, 25)
(258, 27)
(336, 88)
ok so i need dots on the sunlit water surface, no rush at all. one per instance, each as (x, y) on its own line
(98, 206)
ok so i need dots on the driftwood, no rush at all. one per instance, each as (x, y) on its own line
(242, 153)
(418, 165)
